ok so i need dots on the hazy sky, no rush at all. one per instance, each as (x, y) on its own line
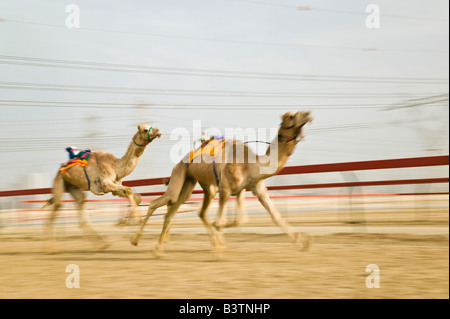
(228, 63)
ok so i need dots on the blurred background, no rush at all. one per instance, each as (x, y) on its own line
(376, 91)
(375, 77)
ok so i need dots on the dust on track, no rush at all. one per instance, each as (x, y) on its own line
(254, 266)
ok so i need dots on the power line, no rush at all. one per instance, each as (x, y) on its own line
(318, 9)
(430, 100)
(175, 106)
(214, 93)
(187, 37)
(83, 65)
(223, 40)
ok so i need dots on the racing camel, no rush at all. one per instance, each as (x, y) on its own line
(231, 173)
(102, 173)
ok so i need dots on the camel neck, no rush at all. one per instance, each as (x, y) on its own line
(129, 161)
(276, 156)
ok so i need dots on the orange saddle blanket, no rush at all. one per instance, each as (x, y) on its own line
(210, 147)
(73, 162)
(81, 159)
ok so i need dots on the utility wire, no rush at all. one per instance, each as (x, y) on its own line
(83, 65)
(175, 106)
(219, 40)
(219, 93)
(438, 99)
(318, 9)
(187, 37)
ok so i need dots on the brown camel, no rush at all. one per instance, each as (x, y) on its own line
(102, 174)
(231, 173)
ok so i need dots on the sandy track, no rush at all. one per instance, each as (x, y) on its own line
(410, 247)
(255, 266)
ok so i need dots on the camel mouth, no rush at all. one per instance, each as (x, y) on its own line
(156, 133)
(306, 119)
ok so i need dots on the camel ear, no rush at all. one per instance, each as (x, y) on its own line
(139, 127)
(286, 115)
(287, 118)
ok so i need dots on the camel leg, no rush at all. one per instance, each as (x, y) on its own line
(186, 191)
(155, 204)
(135, 200)
(91, 234)
(299, 238)
(51, 235)
(126, 192)
(241, 216)
(169, 207)
(170, 196)
(221, 218)
(49, 247)
(58, 191)
(209, 194)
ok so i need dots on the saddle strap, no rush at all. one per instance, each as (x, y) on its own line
(87, 177)
(215, 173)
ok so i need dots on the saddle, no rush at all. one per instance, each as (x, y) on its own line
(210, 147)
(80, 159)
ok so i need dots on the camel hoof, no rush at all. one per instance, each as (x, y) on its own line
(103, 247)
(219, 252)
(158, 253)
(134, 221)
(304, 240)
(219, 241)
(134, 240)
(50, 251)
(121, 222)
(127, 221)
(221, 247)
(219, 255)
(217, 226)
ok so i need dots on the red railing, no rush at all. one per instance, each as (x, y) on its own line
(304, 169)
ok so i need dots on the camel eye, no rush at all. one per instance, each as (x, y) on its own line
(145, 131)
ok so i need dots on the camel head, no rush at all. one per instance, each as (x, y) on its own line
(145, 135)
(292, 125)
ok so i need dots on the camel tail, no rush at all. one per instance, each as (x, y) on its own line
(50, 202)
(58, 188)
(166, 181)
(176, 182)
